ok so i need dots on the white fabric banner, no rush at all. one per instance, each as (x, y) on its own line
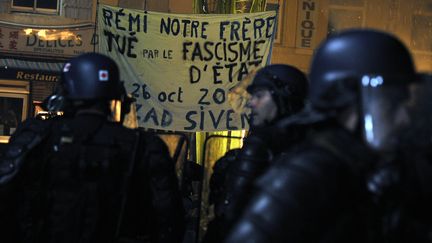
(180, 68)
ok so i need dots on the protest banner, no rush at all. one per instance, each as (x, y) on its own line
(180, 68)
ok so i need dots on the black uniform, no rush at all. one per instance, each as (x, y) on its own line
(71, 186)
(255, 157)
(288, 87)
(217, 226)
(82, 178)
(402, 194)
(333, 188)
(315, 193)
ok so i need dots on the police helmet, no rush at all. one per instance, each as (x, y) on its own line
(349, 56)
(287, 84)
(373, 72)
(92, 76)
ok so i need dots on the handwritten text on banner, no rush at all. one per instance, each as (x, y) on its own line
(180, 68)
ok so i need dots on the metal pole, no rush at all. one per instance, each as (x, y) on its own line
(95, 36)
(273, 35)
(201, 184)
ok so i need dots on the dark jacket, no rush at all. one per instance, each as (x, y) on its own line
(315, 193)
(89, 180)
(239, 175)
(401, 187)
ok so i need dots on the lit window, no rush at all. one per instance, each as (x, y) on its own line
(421, 33)
(340, 19)
(14, 97)
(36, 6)
(345, 14)
(348, 3)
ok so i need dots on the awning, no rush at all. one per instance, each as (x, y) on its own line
(31, 65)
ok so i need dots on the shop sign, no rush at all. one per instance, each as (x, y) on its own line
(52, 41)
(29, 75)
(307, 23)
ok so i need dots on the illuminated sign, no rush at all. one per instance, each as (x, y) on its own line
(41, 42)
(29, 75)
(21, 75)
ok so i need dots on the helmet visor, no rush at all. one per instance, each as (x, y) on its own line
(385, 107)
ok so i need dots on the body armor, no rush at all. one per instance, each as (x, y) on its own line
(90, 180)
(314, 193)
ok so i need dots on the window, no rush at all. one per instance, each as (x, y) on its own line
(345, 14)
(340, 19)
(13, 106)
(351, 3)
(36, 6)
(421, 32)
(11, 113)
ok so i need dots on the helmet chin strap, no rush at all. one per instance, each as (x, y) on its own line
(350, 119)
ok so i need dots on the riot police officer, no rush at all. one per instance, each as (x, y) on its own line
(277, 91)
(318, 192)
(83, 177)
(216, 229)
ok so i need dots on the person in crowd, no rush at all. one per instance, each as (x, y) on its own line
(217, 193)
(277, 91)
(330, 187)
(83, 176)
